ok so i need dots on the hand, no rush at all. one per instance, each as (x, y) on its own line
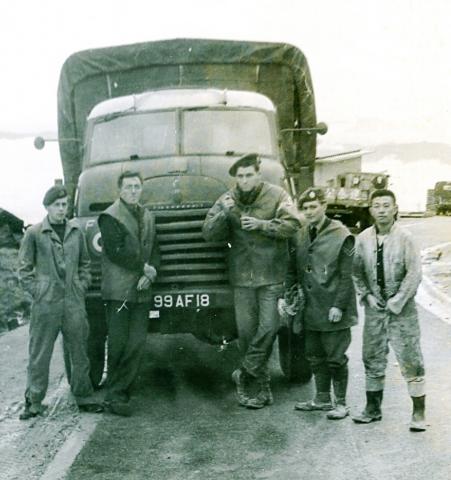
(335, 315)
(228, 203)
(250, 223)
(389, 307)
(374, 303)
(282, 306)
(143, 284)
(150, 272)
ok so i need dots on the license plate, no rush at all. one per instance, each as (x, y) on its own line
(181, 300)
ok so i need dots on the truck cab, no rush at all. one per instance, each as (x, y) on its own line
(183, 142)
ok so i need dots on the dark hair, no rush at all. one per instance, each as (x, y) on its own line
(382, 192)
(128, 174)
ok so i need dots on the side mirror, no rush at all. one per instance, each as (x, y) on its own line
(39, 143)
(320, 128)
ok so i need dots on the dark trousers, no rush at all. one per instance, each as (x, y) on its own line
(258, 323)
(326, 352)
(127, 332)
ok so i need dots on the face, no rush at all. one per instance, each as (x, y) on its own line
(131, 190)
(314, 211)
(247, 178)
(57, 211)
(383, 210)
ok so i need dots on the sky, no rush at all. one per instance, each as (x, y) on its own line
(384, 65)
(381, 70)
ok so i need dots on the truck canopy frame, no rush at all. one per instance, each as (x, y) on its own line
(277, 70)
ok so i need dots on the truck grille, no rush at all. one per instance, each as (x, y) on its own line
(187, 260)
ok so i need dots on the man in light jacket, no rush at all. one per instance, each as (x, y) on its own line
(257, 218)
(54, 267)
(387, 273)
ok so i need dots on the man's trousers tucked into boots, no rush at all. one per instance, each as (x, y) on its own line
(326, 352)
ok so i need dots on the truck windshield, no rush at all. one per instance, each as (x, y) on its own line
(221, 131)
(202, 131)
(134, 136)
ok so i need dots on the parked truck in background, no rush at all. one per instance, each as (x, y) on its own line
(442, 198)
(348, 195)
(181, 112)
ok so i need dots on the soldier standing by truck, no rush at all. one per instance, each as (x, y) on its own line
(129, 260)
(54, 268)
(321, 263)
(257, 218)
(387, 273)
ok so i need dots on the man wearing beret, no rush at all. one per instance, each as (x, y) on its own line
(321, 262)
(130, 257)
(54, 268)
(256, 218)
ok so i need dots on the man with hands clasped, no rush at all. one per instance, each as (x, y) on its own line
(130, 257)
(387, 273)
(321, 262)
(256, 218)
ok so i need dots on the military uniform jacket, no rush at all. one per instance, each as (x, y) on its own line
(260, 257)
(316, 266)
(51, 269)
(119, 281)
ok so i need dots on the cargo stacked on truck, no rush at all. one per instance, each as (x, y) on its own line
(348, 197)
(181, 112)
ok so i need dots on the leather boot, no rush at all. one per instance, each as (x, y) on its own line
(242, 381)
(372, 412)
(418, 422)
(264, 396)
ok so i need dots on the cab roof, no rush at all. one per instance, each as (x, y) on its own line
(167, 99)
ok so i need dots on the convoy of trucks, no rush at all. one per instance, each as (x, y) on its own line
(181, 112)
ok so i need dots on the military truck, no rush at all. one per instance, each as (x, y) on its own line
(181, 112)
(442, 198)
(348, 195)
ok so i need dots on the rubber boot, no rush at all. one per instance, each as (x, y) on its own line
(372, 412)
(418, 422)
(340, 383)
(322, 400)
(242, 381)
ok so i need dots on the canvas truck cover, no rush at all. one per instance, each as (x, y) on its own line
(277, 70)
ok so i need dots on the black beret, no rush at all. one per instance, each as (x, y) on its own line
(310, 195)
(53, 193)
(248, 160)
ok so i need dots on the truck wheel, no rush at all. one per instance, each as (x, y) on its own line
(292, 359)
(96, 342)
